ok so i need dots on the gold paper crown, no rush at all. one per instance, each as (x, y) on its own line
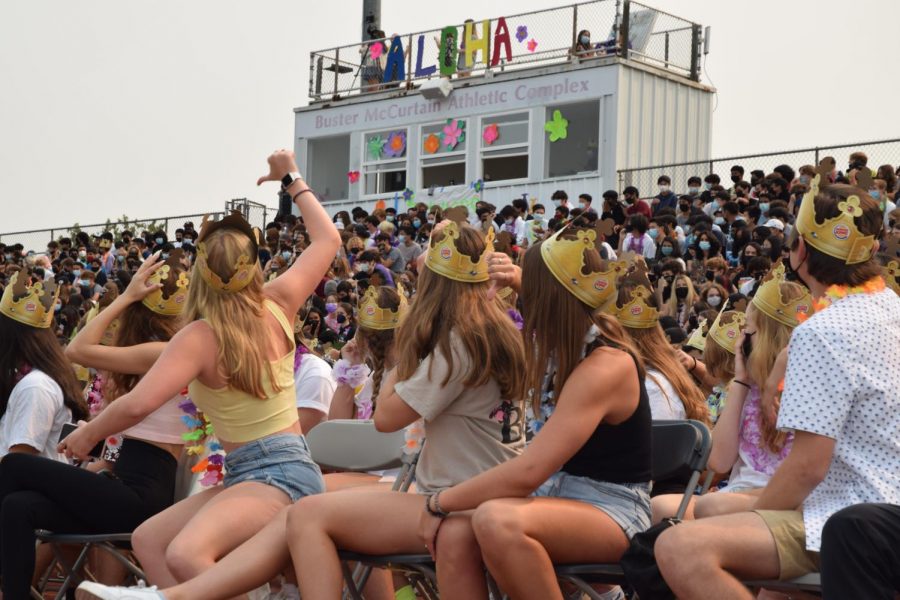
(768, 299)
(242, 274)
(169, 300)
(698, 336)
(372, 316)
(636, 313)
(565, 259)
(727, 334)
(838, 236)
(445, 259)
(891, 273)
(29, 304)
(109, 336)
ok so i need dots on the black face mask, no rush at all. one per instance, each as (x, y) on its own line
(341, 319)
(710, 275)
(684, 207)
(681, 293)
(735, 178)
(747, 346)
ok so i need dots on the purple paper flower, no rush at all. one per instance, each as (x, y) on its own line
(408, 194)
(396, 144)
(516, 318)
(521, 33)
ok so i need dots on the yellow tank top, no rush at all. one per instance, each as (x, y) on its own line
(240, 417)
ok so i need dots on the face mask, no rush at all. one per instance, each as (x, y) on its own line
(341, 319)
(509, 221)
(704, 245)
(681, 293)
(330, 307)
(431, 220)
(746, 259)
(664, 189)
(804, 179)
(159, 241)
(286, 255)
(667, 250)
(708, 186)
(875, 194)
(689, 240)
(684, 207)
(390, 218)
(585, 40)
(82, 253)
(584, 205)
(76, 272)
(714, 301)
(417, 223)
(693, 190)
(747, 346)
(735, 178)
(401, 238)
(85, 282)
(764, 207)
(58, 307)
(364, 268)
(538, 216)
(719, 221)
(165, 255)
(653, 233)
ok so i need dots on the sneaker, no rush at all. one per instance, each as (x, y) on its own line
(90, 590)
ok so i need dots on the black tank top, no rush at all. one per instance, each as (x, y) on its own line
(617, 453)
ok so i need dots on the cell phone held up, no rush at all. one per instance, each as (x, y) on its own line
(68, 428)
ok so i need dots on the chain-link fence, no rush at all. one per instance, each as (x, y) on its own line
(883, 152)
(258, 215)
(535, 38)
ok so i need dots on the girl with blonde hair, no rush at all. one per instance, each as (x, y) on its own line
(680, 301)
(236, 357)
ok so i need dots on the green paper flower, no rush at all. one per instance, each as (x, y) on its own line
(558, 128)
(375, 147)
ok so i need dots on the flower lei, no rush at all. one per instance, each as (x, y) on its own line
(836, 292)
(199, 429)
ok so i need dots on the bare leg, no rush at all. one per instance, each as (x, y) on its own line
(666, 506)
(460, 570)
(703, 558)
(154, 535)
(724, 503)
(521, 539)
(370, 522)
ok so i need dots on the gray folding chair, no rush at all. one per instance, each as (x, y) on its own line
(117, 545)
(680, 452)
(356, 446)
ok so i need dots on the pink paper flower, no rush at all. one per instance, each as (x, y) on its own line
(453, 133)
(376, 50)
(490, 134)
(353, 176)
(532, 45)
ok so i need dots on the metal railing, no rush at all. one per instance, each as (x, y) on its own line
(881, 152)
(36, 239)
(537, 38)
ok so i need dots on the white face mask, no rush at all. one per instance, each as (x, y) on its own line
(663, 189)
(714, 301)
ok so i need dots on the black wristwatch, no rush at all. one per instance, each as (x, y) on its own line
(288, 179)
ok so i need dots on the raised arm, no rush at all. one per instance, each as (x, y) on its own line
(185, 357)
(86, 349)
(291, 289)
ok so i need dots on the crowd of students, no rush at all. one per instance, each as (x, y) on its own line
(531, 347)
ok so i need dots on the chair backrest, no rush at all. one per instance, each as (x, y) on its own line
(355, 445)
(680, 449)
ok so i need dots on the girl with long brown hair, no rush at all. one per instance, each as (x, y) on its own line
(110, 496)
(236, 356)
(672, 392)
(588, 469)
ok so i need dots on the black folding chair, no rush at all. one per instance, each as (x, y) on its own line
(680, 452)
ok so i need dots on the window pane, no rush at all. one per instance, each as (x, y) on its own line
(579, 152)
(505, 167)
(386, 139)
(329, 161)
(512, 129)
(438, 130)
(382, 182)
(444, 175)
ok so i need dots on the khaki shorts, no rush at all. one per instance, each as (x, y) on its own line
(787, 528)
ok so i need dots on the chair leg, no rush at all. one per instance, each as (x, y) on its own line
(71, 573)
(351, 587)
(583, 586)
(129, 565)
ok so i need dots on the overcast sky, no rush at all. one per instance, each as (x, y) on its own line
(164, 107)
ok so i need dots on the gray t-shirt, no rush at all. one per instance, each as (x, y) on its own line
(409, 253)
(467, 430)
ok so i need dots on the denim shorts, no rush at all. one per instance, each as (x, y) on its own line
(628, 504)
(281, 461)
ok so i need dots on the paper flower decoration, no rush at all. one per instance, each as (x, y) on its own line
(375, 147)
(478, 186)
(376, 50)
(521, 33)
(557, 127)
(532, 45)
(490, 134)
(396, 144)
(432, 144)
(453, 133)
(408, 194)
(353, 176)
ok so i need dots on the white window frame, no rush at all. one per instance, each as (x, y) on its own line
(461, 154)
(366, 163)
(548, 145)
(524, 146)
